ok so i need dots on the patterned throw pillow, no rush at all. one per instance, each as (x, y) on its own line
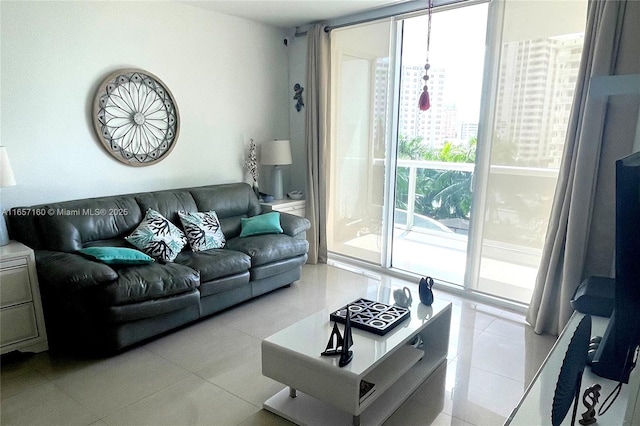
(203, 230)
(158, 237)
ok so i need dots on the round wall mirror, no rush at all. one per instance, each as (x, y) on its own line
(136, 117)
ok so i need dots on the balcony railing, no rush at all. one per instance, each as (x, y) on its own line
(413, 166)
(517, 206)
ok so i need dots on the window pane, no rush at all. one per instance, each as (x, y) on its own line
(539, 60)
(360, 69)
(436, 148)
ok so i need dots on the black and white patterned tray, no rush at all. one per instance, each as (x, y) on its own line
(375, 317)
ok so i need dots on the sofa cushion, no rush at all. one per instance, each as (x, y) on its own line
(231, 202)
(168, 203)
(148, 282)
(69, 225)
(114, 242)
(202, 230)
(277, 268)
(215, 263)
(149, 308)
(269, 248)
(268, 223)
(68, 272)
(234, 283)
(158, 237)
(294, 226)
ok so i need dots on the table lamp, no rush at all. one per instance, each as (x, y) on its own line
(276, 153)
(6, 179)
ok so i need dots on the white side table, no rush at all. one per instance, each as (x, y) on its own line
(21, 319)
(294, 207)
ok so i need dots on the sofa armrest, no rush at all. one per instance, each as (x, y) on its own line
(69, 272)
(294, 226)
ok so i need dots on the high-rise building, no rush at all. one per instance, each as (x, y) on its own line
(468, 131)
(449, 122)
(439, 124)
(434, 125)
(380, 106)
(535, 96)
(412, 122)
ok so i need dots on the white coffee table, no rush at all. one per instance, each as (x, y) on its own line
(321, 393)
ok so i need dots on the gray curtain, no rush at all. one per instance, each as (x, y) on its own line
(581, 234)
(316, 136)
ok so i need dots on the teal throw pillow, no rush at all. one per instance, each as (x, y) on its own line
(158, 237)
(268, 223)
(116, 255)
(203, 230)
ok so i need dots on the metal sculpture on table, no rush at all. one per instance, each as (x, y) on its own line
(334, 346)
(346, 356)
(339, 345)
(590, 400)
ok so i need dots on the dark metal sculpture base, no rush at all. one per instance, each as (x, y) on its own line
(339, 345)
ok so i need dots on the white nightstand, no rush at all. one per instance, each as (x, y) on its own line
(21, 318)
(295, 207)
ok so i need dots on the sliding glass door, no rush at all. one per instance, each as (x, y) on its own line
(461, 192)
(437, 147)
(537, 57)
(361, 69)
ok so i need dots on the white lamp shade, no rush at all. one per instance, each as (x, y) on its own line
(276, 153)
(6, 172)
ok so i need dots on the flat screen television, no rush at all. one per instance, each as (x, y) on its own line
(614, 356)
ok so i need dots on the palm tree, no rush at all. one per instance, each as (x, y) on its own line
(440, 194)
(411, 149)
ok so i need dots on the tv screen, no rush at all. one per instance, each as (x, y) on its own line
(614, 356)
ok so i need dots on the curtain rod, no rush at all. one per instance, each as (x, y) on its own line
(388, 12)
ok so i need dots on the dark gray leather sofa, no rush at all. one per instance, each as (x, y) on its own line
(110, 307)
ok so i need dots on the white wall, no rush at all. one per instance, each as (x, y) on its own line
(297, 74)
(229, 77)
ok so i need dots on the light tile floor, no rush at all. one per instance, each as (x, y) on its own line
(209, 373)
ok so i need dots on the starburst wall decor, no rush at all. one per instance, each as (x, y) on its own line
(136, 117)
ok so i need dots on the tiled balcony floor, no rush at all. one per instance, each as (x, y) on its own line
(444, 257)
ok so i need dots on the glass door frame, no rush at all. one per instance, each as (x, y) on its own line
(483, 148)
(391, 158)
(375, 161)
(482, 163)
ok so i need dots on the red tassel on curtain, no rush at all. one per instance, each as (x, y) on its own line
(424, 102)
